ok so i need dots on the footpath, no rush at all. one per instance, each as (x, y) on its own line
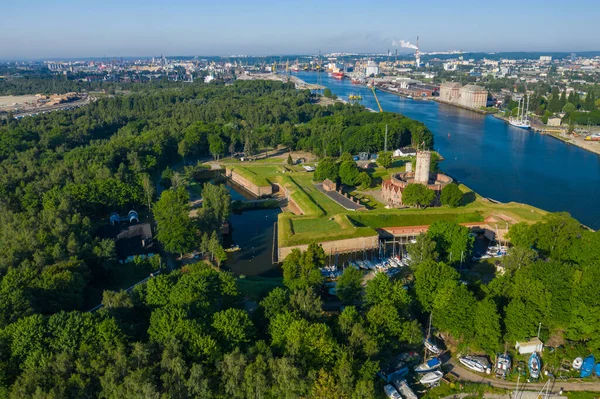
(555, 386)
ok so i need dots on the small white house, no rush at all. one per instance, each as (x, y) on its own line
(308, 168)
(526, 347)
(405, 152)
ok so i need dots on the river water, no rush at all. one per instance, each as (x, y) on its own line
(495, 159)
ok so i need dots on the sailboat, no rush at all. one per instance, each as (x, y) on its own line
(430, 343)
(428, 365)
(534, 365)
(522, 118)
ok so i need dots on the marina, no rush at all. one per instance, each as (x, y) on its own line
(512, 164)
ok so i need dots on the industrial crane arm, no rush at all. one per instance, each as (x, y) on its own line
(376, 99)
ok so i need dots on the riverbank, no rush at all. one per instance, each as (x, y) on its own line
(479, 111)
(577, 141)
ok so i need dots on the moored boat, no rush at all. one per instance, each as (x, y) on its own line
(233, 248)
(534, 365)
(587, 366)
(503, 364)
(428, 365)
(431, 378)
(404, 389)
(431, 346)
(475, 363)
(391, 392)
(338, 75)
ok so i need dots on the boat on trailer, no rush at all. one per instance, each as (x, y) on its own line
(431, 378)
(587, 366)
(535, 365)
(429, 365)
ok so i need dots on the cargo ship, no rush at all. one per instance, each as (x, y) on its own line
(338, 75)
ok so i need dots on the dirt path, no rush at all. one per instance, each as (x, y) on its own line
(556, 386)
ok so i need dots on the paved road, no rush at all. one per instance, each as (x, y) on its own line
(556, 386)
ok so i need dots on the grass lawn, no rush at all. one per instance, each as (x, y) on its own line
(315, 225)
(299, 195)
(411, 218)
(255, 287)
(368, 200)
(251, 175)
(327, 204)
(317, 229)
(379, 174)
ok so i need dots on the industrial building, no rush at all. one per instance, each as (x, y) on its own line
(470, 96)
(372, 69)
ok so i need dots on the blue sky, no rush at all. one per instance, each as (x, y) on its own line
(81, 28)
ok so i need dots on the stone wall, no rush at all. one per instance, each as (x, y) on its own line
(248, 185)
(291, 205)
(337, 246)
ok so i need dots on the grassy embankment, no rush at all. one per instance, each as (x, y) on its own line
(325, 220)
(257, 176)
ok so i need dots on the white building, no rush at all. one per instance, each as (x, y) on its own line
(534, 345)
(372, 69)
(546, 58)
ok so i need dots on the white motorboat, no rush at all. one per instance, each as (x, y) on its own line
(475, 363)
(503, 365)
(431, 346)
(431, 378)
(391, 392)
(428, 365)
(577, 363)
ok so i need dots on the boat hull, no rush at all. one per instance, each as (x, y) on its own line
(587, 366)
(431, 377)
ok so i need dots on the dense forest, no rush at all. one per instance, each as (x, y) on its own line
(63, 173)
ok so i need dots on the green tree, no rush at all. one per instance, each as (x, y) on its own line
(216, 145)
(381, 290)
(417, 195)
(327, 169)
(175, 230)
(451, 195)
(307, 303)
(290, 161)
(233, 327)
(348, 173)
(385, 159)
(568, 108)
(301, 269)
(422, 250)
(276, 302)
(486, 321)
(453, 241)
(430, 277)
(364, 180)
(327, 93)
(349, 288)
(453, 309)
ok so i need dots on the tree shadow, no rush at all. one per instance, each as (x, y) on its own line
(468, 198)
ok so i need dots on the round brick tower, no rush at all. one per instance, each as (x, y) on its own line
(422, 167)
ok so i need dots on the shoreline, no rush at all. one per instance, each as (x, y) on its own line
(590, 146)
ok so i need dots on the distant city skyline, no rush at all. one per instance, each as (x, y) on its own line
(70, 29)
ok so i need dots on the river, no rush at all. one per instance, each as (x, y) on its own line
(495, 159)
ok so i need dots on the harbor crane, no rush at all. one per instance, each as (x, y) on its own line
(375, 95)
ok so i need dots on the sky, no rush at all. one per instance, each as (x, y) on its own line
(41, 29)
